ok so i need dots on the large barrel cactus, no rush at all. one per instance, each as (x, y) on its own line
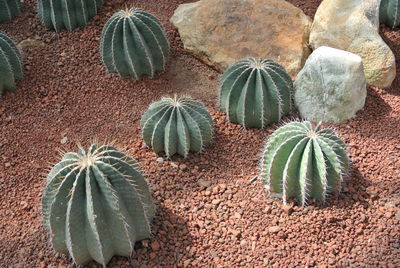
(177, 125)
(255, 92)
(302, 162)
(96, 204)
(389, 13)
(67, 15)
(10, 63)
(134, 44)
(9, 8)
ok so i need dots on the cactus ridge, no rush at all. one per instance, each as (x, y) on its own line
(302, 162)
(8, 9)
(389, 13)
(67, 14)
(10, 64)
(134, 44)
(255, 92)
(96, 204)
(177, 125)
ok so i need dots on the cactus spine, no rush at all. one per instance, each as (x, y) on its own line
(300, 162)
(134, 44)
(255, 92)
(389, 13)
(67, 14)
(9, 8)
(10, 63)
(96, 204)
(177, 125)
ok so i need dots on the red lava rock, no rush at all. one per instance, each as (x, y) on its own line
(274, 229)
(155, 245)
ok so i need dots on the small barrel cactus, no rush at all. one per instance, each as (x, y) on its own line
(67, 15)
(389, 13)
(8, 9)
(177, 125)
(302, 162)
(10, 63)
(134, 44)
(255, 92)
(96, 204)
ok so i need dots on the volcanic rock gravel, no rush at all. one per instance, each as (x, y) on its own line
(212, 211)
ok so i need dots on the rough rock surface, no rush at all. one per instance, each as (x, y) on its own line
(352, 25)
(331, 87)
(220, 32)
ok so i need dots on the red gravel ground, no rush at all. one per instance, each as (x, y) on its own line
(232, 223)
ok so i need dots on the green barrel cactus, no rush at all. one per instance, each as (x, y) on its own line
(134, 44)
(67, 15)
(10, 63)
(177, 125)
(389, 13)
(301, 162)
(255, 92)
(96, 204)
(8, 9)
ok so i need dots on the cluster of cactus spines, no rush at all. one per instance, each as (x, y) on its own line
(8, 9)
(67, 15)
(97, 204)
(301, 162)
(389, 13)
(255, 92)
(134, 44)
(10, 63)
(177, 125)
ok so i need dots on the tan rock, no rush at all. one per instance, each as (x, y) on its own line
(220, 32)
(352, 25)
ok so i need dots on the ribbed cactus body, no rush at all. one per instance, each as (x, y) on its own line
(134, 44)
(10, 63)
(255, 92)
(300, 162)
(177, 125)
(389, 13)
(67, 14)
(8, 9)
(96, 204)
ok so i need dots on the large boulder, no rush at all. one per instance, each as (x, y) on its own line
(331, 87)
(220, 32)
(352, 25)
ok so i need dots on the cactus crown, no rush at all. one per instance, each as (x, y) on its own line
(177, 125)
(96, 204)
(134, 44)
(10, 63)
(302, 162)
(67, 15)
(9, 8)
(389, 13)
(255, 92)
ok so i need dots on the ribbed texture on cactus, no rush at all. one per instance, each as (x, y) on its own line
(134, 44)
(177, 125)
(389, 13)
(96, 204)
(255, 92)
(302, 162)
(67, 14)
(8, 9)
(10, 64)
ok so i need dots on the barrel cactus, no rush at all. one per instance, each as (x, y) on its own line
(96, 204)
(255, 92)
(67, 15)
(10, 63)
(8, 9)
(301, 162)
(177, 125)
(389, 13)
(134, 44)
